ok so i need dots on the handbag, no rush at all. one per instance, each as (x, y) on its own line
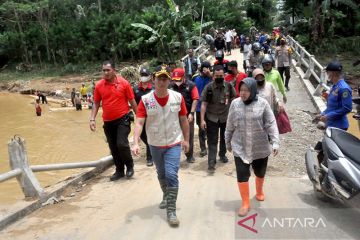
(283, 122)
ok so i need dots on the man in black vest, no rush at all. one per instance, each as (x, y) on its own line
(190, 93)
(145, 86)
(191, 64)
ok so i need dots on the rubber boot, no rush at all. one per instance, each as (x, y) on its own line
(163, 203)
(171, 197)
(244, 193)
(259, 182)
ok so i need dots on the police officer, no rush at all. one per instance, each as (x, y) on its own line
(145, 86)
(254, 58)
(216, 98)
(190, 93)
(339, 102)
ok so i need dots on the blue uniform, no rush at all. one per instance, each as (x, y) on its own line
(201, 82)
(339, 104)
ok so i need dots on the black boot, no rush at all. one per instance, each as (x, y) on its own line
(171, 197)
(163, 203)
(117, 175)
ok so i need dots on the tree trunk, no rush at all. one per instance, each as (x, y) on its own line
(54, 57)
(21, 32)
(317, 27)
(39, 57)
(99, 4)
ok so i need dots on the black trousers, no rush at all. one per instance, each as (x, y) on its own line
(285, 70)
(191, 141)
(228, 46)
(212, 130)
(201, 133)
(117, 132)
(143, 138)
(243, 169)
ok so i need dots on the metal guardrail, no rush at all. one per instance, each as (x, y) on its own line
(25, 174)
(313, 68)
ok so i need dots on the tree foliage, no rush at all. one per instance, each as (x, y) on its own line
(75, 31)
(323, 19)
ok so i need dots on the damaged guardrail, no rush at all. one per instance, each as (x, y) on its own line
(24, 173)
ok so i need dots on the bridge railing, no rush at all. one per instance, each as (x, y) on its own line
(200, 52)
(308, 67)
(24, 173)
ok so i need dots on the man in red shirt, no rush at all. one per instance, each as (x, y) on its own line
(234, 76)
(190, 93)
(167, 128)
(115, 93)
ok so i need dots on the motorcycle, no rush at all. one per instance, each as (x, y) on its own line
(333, 166)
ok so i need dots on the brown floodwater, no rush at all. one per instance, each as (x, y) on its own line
(55, 137)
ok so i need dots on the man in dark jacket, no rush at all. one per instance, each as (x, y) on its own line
(190, 93)
(145, 86)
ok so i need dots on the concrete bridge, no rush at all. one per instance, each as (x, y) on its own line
(207, 203)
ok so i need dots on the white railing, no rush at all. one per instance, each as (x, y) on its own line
(25, 174)
(305, 60)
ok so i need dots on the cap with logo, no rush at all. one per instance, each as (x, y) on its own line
(178, 74)
(162, 71)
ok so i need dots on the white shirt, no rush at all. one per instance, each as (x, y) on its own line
(228, 36)
(247, 49)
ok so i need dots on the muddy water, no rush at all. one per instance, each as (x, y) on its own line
(55, 137)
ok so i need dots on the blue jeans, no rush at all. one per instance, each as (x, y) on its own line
(167, 162)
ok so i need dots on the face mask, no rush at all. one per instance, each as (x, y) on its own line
(282, 43)
(219, 80)
(144, 78)
(178, 83)
(261, 83)
(230, 72)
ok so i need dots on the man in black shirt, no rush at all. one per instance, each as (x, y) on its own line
(145, 86)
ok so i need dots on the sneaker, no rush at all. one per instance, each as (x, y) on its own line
(149, 162)
(203, 153)
(117, 176)
(224, 159)
(190, 159)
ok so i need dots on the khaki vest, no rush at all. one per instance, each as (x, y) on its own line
(162, 123)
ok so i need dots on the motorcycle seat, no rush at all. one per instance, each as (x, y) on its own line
(348, 144)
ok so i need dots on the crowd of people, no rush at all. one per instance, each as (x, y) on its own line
(232, 108)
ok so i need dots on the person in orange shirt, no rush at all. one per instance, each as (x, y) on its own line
(37, 108)
(115, 94)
